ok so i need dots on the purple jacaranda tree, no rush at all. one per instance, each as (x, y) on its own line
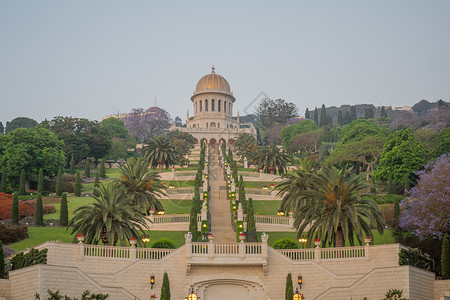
(145, 124)
(426, 212)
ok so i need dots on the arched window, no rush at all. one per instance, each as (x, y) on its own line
(212, 104)
(200, 105)
(206, 125)
(206, 105)
(196, 111)
(219, 104)
(213, 125)
(225, 106)
(229, 111)
(195, 125)
(218, 125)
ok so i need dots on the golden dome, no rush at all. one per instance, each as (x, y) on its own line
(213, 83)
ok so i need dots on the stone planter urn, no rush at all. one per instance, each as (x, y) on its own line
(367, 240)
(317, 243)
(80, 238)
(133, 242)
(210, 237)
(242, 237)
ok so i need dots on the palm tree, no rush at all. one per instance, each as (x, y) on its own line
(294, 182)
(160, 152)
(245, 146)
(337, 205)
(141, 186)
(109, 219)
(270, 158)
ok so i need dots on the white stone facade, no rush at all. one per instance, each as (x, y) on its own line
(223, 271)
(213, 121)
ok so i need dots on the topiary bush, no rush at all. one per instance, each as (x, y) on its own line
(164, 244)
(33, 257)
(13, 234)
(285, 244)
(414, 257)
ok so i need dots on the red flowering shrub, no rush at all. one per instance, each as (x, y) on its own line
(26, 208)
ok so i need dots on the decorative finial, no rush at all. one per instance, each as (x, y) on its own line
(213, 70)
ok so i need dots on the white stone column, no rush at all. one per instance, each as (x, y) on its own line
(240, 213)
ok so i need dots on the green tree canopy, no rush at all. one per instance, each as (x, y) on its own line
(20, 122)
(359, 130)
(402, 155)
(115, 128)
(272, 112)
(32, 149)
(289, 132)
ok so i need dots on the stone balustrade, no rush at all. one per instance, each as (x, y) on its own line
(361, 252)
(124, 252)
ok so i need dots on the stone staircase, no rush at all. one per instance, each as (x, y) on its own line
(219, 206)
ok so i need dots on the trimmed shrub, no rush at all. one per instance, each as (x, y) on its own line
(285, 244)
(415, 258)
(102, 168)
(164, 244)
(289, 291)
(165, 288)
(15, 209)
(251, 224)
(87, 168)
(64, 211)
(49, 209)
(13, 234)
(445, 257)
(40, 187)
(77, 188)
(22, 183)
(59, 184)
(33, 257)
(39, 214)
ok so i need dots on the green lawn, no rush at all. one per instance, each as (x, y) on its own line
(73, 203)
(173, 206)
(180, 183)
(386, 238)
(266, 207)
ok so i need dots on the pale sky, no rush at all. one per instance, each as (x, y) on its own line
(94, 58)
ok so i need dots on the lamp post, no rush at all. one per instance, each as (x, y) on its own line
(145, 239)
(152, 281)
(303, 240)
(297, 295)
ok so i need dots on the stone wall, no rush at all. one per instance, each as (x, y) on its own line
(352, 277)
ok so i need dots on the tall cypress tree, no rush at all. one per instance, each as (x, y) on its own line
(102, 168)
(346, 119)
(316, 116)
(242, 198)
(2, 262)
(40, 187)
(22, 183)
(289, 292)
(77, 188)
(445, 257)
(353, 113)
(193, 226)
(165, 288)
(64, 211)
(307, 116)
(96, 184)
(15, 209)
(87, 168)
(323, 116)
(251, 224)
(2, 128)
(339, 118)
(59, 184)
(72, 164)
(3, 182)
(383, 113)
(39, 214)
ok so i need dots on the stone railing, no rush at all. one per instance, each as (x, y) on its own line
(175, 218)
(124, 252)
(252, 191)
(275, 220)
(186, 190)
(361, 252)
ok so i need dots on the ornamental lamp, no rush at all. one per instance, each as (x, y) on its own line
(299, 281)
(297, 295)
(192, 295)
(152, 281)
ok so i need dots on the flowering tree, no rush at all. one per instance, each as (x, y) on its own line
(145, 124)
(427, 210)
